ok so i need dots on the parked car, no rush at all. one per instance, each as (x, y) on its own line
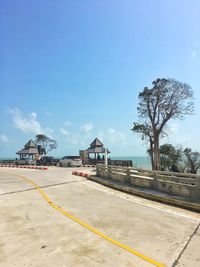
(55, 162)
(70, 161)
(45, 161)
(24, 161)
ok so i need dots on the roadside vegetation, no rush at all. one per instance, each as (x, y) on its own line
(179, 159)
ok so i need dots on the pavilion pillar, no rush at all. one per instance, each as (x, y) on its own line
(106, 156)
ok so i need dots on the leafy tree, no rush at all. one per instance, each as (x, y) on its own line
(145, 131)
(45, 144)
(167, 99)
(170, 157)
(192, 160)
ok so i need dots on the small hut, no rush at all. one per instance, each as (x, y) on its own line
(95, 153)
(30, 150)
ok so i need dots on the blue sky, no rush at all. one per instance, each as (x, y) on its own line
(73, 70)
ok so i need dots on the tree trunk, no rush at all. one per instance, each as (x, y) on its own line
(151, 154)
(156, 153)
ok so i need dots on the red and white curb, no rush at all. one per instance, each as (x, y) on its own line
(24, 167)
(88, 166)
(83, 174)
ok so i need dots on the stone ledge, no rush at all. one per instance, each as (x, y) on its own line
(149, 194)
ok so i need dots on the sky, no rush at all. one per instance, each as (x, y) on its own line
(73, 70)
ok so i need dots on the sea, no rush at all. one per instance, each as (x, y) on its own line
(137, 161)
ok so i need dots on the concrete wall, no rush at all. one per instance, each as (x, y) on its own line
(176, 189)
(142, 182)
(164, 182)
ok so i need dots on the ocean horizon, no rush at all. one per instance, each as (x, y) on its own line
(137, 161)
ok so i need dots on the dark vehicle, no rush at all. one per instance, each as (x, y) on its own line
(55, 162)
(45, 161)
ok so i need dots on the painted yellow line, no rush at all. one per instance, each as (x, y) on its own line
(53, 205)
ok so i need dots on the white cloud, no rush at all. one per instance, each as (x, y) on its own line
(63, 131)
(87, 127)
(72, 139)
(68, 123)
(3, 138)
(86, 135)
(195, 50)
(194, 54)
(76, 138)
(113, 136)
(34, 115)
(27, 123)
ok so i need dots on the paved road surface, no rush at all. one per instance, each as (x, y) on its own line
(32, 233)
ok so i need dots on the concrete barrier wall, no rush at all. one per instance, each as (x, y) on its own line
(119, 177)
(182, 184)
(176, 189)
(142, 182)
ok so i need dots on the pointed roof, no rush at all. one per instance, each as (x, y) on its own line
(29, 151)
(30, 144)
(96, 147)
(30, 148)
(96, 143)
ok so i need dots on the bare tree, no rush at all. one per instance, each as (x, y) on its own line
(167, 99)
(45, 144)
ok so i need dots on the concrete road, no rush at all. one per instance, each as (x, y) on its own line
(32, 233)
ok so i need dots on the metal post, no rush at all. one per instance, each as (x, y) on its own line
(106, 156)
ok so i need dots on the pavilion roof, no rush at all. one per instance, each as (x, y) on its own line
(30, 148)
(30, 143)
(29, 151)
(96, 143)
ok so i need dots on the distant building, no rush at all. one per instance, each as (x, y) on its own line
(94, 153)
(30, 150)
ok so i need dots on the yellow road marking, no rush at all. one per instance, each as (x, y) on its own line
(53, 205)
